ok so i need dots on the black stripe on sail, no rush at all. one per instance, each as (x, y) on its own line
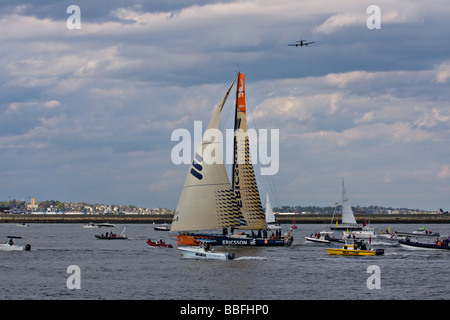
(196, 174)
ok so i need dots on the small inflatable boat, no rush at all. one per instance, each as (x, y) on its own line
(159, 244)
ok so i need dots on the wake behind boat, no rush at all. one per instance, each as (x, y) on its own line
(90, 225)
(209, 201)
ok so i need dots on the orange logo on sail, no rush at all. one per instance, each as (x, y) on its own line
(240, 99)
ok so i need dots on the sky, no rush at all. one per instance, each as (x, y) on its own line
(87, 114)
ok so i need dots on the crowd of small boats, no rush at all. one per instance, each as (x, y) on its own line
(359, 242)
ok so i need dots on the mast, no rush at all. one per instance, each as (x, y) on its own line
(243, 176)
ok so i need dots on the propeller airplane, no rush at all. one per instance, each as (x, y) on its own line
(301, 43)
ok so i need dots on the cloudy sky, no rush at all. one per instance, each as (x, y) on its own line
(87, 114)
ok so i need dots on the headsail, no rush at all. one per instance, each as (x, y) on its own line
(347, 212)
(270, 217)
(244, 182)
(207, 201)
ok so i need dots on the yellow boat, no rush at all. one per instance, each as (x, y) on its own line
(356, 249)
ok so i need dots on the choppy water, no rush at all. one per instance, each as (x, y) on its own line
(132, 270)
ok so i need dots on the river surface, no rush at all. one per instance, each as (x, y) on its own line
(132, 270)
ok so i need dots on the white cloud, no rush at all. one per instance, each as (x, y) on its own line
(444, 173)
(338, 21)
(443, 72)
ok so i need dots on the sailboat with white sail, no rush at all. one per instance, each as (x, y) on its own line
(348, 218)
(209, 201)
(270, 217)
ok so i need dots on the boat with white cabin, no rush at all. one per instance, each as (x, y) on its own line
(205, 251)
(365, 233)
(320, 237)
(163, 227)
(23, 225)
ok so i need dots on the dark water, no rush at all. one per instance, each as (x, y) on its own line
(132, 270)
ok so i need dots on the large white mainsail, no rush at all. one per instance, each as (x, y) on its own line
(244, 181)
(207, 200)
(347, 212)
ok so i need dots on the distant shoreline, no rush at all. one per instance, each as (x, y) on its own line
(167, 218)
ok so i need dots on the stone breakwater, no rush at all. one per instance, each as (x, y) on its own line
(287, 219)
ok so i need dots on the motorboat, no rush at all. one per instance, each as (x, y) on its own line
(159, 244)
(10, 246)
(163, 227)
(418, 232)
(205, 251)
(23, 225)
(420, 245)
(355, 249)
(110, 225)
(320, 237)
(112, 236)
(364, 233)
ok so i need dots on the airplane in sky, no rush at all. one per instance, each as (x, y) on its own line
(301, 43)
